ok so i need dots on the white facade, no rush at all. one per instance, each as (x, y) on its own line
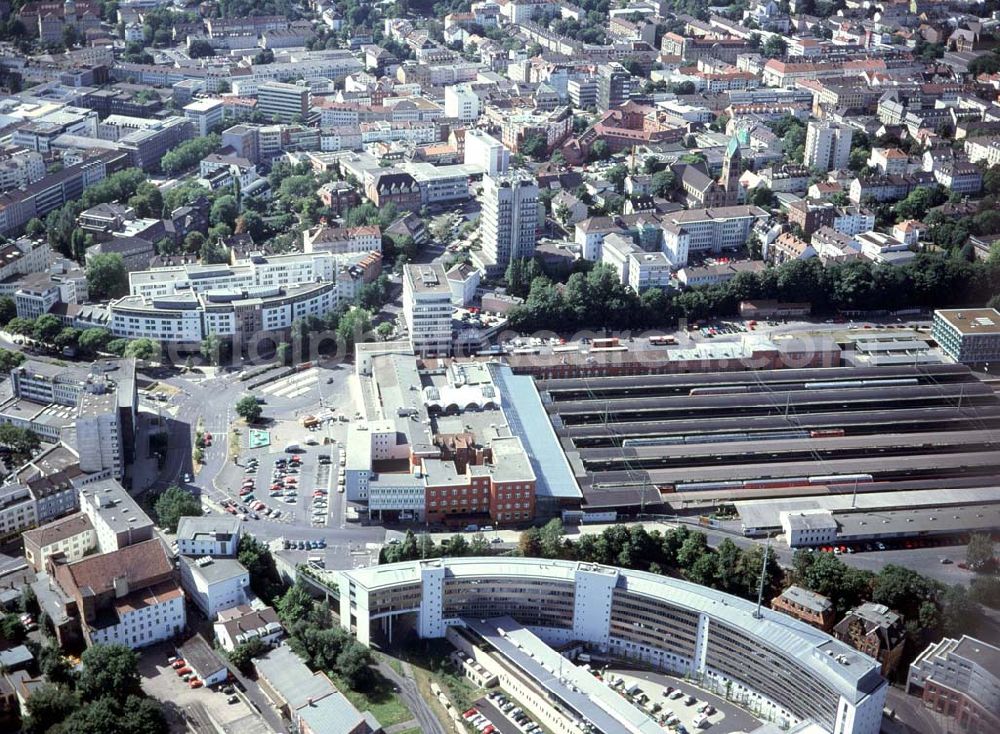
(205, 114)
(427, 308)
(18, 510)
(208, 536)
(828, 145)
(21, 168)
(782, 668)
(707, 230)
(648, 270)
(215, 584)
(144, 625)
(510, 218)
(485, 151)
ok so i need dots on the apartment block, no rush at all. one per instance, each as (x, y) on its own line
(828, 145)
(509, 219)
(427, 308)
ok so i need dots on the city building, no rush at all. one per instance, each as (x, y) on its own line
(614, 86)
(242, 623)
(205, 663)
(118, 520)
(707, 231)
(211, 535)
(427, 308)
(876, 631)
(308, 699)
(214, 584)
(828, 145)
(960, 679)
(790, 670)
(125, 597)
(970, 336)
(205, 114)
(461, 103)
(806, 606)
(280, 102)
(71, 538)
(486, 152)
(510, 219)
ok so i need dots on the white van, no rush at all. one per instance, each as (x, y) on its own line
(699, 721)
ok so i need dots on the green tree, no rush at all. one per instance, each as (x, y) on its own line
(8, 310)
(224, 210)
(147, 200)
(46, 328)
(35, 228)
(48, 706)
(256, 558)
(144, 349)
(774, 47)
(353, 326)
(249, 409)
(456, 547)
(173, 504)
(242, 655)
(107, 277)
(199, 48)
(599, 151)
(979, 552)
(10, 359)
(534, 146)
(529, 544)
(551, 538)
(94, 339)
(663, 183)
(22, 441)
(294, 604)
(188, 154)
(354, 665)
(109, 670)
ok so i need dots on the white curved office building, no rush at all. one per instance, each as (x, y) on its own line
(774, 664)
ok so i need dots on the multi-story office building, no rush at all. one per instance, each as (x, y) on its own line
(960, 679)
(461, 102)
(486, 152)
(427, 308)
(786, 669)
(215, 584)
(70, 538)
(510, 219)
(968, 335)
(125, 597)
(704, 231)
(614, 86)
(828, 145)
(282, 102)
(20, 167)
(205, 114)
(117, 518)
(583, 91)
(212, 535)
(18, 510)
(146, 148)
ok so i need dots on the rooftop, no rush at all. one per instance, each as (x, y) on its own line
(971, 321)
(214, 570)
(58, 530)
(808, 599)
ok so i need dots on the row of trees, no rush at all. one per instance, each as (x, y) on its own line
(48, 331)
(599, 300)
(105, 696)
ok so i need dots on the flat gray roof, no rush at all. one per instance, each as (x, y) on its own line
(595, 703)
(526, 416)
(764, 513)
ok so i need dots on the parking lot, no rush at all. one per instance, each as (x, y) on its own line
(684, 705)
(204, 708)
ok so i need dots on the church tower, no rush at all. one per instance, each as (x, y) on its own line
(732, 169)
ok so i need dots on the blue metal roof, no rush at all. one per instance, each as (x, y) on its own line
(528, 420)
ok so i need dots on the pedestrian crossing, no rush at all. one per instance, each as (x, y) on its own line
(293, 386)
